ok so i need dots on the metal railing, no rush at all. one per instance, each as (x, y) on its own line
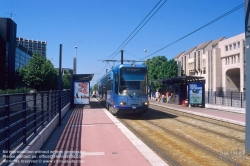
(233, 99)
(24, 115)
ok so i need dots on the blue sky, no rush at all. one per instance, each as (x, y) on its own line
(99, 27)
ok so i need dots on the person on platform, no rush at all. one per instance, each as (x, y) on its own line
(167, 96)
(157, 95)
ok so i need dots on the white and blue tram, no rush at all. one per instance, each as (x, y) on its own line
(124, 89)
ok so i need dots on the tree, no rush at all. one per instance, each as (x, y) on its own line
(39, 73)
(66, 78)
(95, 87)
(160, 67)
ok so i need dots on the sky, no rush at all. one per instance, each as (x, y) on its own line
(99, 27)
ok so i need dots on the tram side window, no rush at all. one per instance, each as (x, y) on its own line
(109, 85)
(116, 83)
(99, 89)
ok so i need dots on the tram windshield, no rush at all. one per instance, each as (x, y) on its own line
(133, 80)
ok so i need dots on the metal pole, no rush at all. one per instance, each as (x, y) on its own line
(122, 56)
(76, 59)
(60, 87)
(247, 69)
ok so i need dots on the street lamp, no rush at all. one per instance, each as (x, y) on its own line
(145, 54)
(74, 65)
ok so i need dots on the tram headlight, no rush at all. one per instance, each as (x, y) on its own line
(146, 103)
(122, 103)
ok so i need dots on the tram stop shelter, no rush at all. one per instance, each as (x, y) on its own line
(80, 89)
(190, 88)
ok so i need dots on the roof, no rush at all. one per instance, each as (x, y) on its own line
(215, 42)
(83, 77)
(182, 79)
(203, 45)
(190, 50)
(177, 56)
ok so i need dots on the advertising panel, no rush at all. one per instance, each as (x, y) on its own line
(81, 92)
(195, 93)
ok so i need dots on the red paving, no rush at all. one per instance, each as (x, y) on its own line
(100, 142)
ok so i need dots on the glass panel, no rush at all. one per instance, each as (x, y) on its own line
(133, 80)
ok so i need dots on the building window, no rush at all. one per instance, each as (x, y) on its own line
(195, 61)
(234, 45)
(234, 59)
(230, 47)
(238, 44)
(199, 61)
(191, 72)
(238, 58)
(226, 61)
(226, 48)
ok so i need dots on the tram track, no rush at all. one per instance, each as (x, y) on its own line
(155, 148)
(207, 121)
(185, 139)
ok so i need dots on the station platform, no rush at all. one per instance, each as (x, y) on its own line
(91, 136)
(238, 118)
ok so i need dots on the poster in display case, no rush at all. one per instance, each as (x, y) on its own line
(195, 93)
(81, 92)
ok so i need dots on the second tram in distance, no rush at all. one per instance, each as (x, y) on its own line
(124, 89)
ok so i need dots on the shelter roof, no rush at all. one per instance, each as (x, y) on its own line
(182, 79)
(83, 77)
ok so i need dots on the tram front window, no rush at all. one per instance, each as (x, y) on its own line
(133, 80)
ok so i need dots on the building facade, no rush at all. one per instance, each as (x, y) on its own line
(12, 56)
(34, 46)
(7, 52)
(22, 58)
(220, 62)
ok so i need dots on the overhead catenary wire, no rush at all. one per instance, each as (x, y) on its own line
(144, 23)
(115, 53)
(123, 45)
(209, 23)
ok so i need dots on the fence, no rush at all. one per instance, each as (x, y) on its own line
(24, 115)
(233, 99)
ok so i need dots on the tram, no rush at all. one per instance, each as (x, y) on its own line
(124, 89)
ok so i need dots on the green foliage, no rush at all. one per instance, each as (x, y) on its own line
(160, 67)
(11, 91)
(95, 87)
(39, 73)
(66, 78)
